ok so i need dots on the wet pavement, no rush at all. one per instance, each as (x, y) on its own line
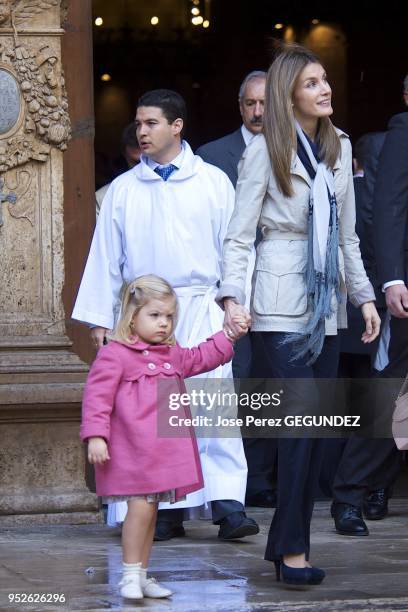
(82, 565)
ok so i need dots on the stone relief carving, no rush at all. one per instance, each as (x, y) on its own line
(16, 12)
(5, 197)
(38, 73)
(5, 11)
(19, 183)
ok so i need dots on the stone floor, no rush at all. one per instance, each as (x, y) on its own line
(83, 563)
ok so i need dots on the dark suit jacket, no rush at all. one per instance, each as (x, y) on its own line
(350, 338)
(225, 153)
(390, 206)
(364, 190)
(360, 192)
(373, 144)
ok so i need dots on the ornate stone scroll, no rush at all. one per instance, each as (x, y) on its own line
(5, 197)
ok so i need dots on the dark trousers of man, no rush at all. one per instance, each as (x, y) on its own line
(299, 459)
(371, 464)
(338, 453)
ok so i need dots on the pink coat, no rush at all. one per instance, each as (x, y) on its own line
(120, 405)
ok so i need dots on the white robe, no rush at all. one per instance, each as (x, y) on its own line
(174, 229)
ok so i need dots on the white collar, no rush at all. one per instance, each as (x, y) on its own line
(246, 135)
(177, 161)
(188, 166)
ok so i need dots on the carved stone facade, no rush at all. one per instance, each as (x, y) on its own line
(33, 94)
(41, 380)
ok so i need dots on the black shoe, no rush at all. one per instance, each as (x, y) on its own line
(237, 525)
(375, 506)
(298, 575)
(166, 531)
(263, 499)
(348, 520)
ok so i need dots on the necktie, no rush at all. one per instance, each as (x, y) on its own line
(165, 171)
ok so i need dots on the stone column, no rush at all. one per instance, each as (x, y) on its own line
(41, 379)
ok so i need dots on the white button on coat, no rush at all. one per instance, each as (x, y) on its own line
(151, 366)
(145, 352)
(167, 366)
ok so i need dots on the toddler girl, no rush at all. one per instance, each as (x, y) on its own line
(119, 419)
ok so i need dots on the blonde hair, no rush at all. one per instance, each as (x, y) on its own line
(137, 294)
(279, 120)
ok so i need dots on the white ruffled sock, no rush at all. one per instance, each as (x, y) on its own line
(143, 576)
(130, 585)
(132, 568)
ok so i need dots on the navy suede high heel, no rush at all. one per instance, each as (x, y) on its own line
(298, 575)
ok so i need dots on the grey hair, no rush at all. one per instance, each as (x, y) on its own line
(405, 83)
(255, 74)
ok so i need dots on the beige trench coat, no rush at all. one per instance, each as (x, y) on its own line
(279, 300)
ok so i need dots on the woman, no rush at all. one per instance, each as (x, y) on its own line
(296, 183)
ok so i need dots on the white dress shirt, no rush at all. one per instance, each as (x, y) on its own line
(177, 161)
(246, 135)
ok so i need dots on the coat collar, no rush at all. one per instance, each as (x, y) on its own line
(298, 168)
(143, 346)
(187, 169)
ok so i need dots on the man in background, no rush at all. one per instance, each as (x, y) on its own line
(129, 156)
(226, 151)
(359, 488)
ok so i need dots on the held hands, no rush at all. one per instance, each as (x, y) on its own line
(396, 298)
(241, 323)
(97, 336)
(372, 322)
(236, 321)
(97, 451)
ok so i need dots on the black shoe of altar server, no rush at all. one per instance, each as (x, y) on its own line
(348, 520)
(263, 499)
(375, 506)
(237, 525)
(166, 531)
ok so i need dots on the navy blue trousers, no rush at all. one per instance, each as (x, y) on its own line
(299, 459)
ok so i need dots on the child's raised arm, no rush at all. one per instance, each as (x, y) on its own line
(207, 356)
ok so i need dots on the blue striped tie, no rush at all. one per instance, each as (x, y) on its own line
(165, 171)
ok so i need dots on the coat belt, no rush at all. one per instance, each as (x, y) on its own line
(271, 234)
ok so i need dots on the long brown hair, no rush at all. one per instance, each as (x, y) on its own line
(279, 120)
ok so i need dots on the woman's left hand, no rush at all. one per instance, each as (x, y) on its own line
(372, 322)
